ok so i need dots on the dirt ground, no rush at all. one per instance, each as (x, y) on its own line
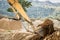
(23, 35)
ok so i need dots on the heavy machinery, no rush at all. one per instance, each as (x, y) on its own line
(16, 6)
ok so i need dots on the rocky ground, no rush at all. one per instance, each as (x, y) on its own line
(24, 35)
(53, 36)
(16, 35)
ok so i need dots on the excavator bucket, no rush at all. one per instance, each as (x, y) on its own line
(18, 7)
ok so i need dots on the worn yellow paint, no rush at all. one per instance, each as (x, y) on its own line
(16, 14)
(19, 8)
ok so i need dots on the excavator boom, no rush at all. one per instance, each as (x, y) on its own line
(15, 4)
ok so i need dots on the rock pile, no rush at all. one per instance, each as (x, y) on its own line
(10, 31)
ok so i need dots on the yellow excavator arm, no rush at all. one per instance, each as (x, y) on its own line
(16, 5)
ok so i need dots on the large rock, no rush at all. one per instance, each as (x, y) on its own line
(9, 24)
(53, 36)
(6, 35)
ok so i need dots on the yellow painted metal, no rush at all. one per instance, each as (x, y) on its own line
(17, 16)
(18, 7)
